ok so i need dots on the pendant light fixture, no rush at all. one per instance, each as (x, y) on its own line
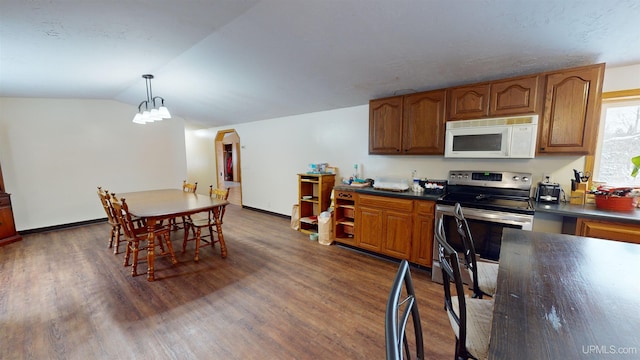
(151, 111)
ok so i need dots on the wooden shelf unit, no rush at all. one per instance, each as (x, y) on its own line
(344, 215)
(314, 197)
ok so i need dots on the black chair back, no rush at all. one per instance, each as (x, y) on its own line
(456, 309)
(469, 249)
(400, 305)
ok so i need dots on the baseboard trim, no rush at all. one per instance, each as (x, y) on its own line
(62, 226)
(267, 212)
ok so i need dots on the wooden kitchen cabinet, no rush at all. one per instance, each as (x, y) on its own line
(314, 197)
(8, 233)
(423, 123)
(383, 224)
(344, 216)
(385, 125)
(608, 230)
(423, 227)
(369, 227)
(570, 118)
(412, 124)
(514, 96)
(469, 102)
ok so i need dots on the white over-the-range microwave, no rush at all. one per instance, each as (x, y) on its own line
(507, 137)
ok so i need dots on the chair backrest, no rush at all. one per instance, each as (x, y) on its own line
(400, 304)
(105, 199)
(188, 187)
(222, 194)
(456, 309)
(121, 212)
(469, 248)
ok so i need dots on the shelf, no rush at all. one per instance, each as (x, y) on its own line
(309, 219)
(345, 222)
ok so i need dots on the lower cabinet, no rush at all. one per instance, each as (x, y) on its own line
(608, 230)
(399, 228)
(422, 240)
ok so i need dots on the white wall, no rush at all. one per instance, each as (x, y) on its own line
(55, 152)
(621, 78)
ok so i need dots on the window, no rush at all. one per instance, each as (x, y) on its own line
(618, 139)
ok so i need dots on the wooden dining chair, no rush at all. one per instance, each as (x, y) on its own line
(484, 274)
(135, 235)
(207, 220)
(188, 188)
(400, 304)
(114, 239)
(470, 318)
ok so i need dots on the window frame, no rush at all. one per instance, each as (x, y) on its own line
(609, 97)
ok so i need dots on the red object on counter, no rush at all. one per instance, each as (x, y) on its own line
(618, 203)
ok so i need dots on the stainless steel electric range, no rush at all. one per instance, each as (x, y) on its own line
(491, 201)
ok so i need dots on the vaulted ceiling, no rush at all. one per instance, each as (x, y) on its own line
(221, 62)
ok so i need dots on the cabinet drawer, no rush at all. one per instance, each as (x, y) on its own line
(425, 207)
(347, 195)
(5, 201)
(385, 203)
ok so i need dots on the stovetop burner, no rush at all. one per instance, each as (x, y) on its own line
(490, 190)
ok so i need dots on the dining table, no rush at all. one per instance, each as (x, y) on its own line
(566, 297)
(154, 206)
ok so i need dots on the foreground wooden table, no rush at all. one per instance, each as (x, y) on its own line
(566, 297)
(157, 205)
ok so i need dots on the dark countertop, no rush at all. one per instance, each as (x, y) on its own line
(397, 194)
(588, 211)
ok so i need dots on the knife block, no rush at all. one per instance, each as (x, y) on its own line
(579, 195)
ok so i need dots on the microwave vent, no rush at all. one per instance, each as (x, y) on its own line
(530, 119)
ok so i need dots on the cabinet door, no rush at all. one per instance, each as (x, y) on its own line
(369, 228)
(608, 230)
(469, 102)
(397, 234)
(385, 125)
(422, 241)
(571, 111)
(514, 97)
(7, 226)
(424, 123)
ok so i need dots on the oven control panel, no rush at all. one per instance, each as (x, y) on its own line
(495, 179)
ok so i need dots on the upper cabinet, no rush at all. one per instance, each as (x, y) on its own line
(409, 125)
(385, 125)
(569, 123)
(497, 98)
(515, 96)
(469, 102)
(567, 102)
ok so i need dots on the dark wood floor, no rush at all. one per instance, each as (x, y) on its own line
(64, 295)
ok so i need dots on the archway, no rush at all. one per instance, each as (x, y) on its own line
(228, 174)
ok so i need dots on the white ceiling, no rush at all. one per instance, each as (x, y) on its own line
(220, 62)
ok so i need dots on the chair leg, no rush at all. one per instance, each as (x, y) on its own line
(117, 231)
(134, 265)
(111, 237)
(211, 238)
(198, 233)
(186, 237)
(127, 254)
(167, 239)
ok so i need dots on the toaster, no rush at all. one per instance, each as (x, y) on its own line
(548, 193)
